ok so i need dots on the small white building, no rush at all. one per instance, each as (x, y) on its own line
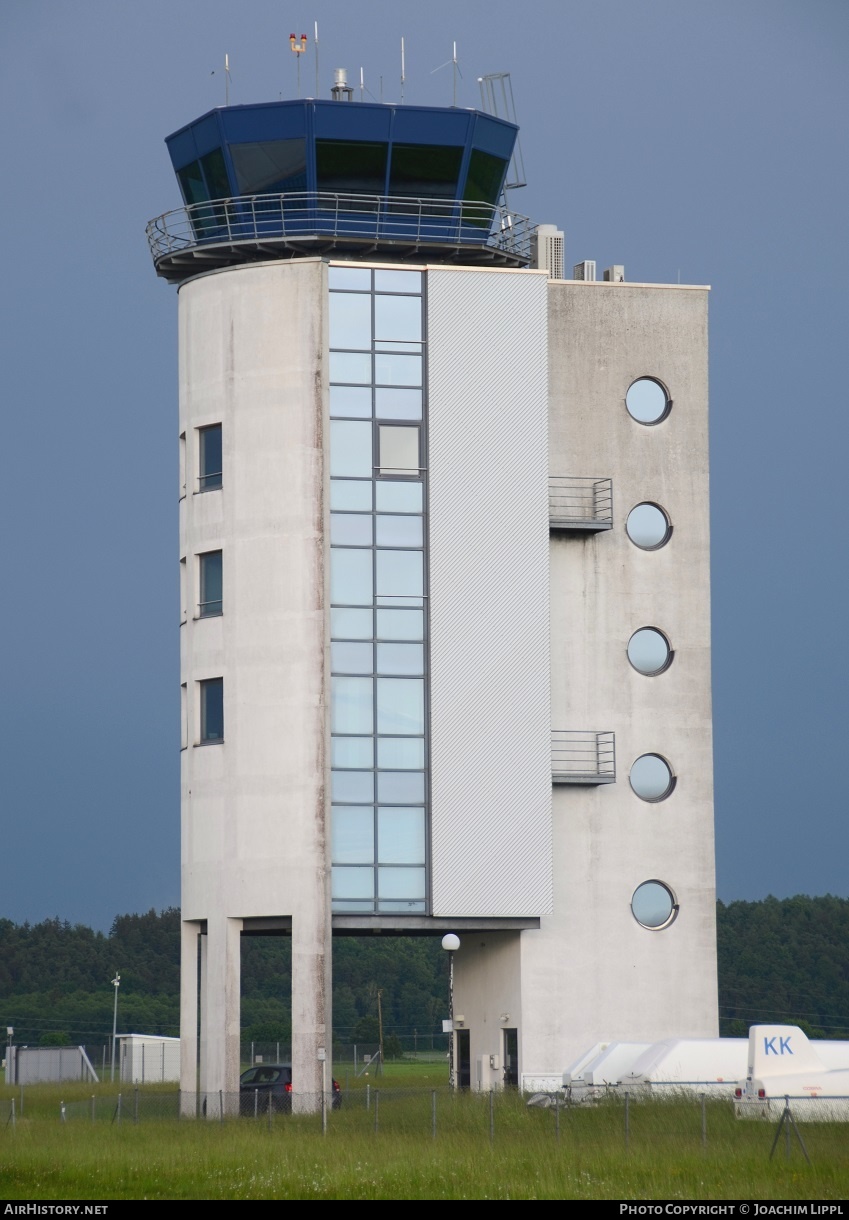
(148, 1059)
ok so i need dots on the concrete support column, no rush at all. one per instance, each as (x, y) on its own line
(189, 933)
(311, 1005)
(220, 1014)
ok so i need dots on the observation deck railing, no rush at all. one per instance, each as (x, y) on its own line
(582, 757)
(223, 232)
(580, 503)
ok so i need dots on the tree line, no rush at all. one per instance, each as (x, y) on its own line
(780, 961)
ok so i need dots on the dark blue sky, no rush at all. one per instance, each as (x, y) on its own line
(696, 139)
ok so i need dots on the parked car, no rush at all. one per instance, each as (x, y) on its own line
(274, 1079)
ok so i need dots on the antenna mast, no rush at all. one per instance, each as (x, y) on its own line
(316, 60)
(403, 78)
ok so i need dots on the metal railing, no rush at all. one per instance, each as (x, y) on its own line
(322, 217)
(580, 503)
(582, 757)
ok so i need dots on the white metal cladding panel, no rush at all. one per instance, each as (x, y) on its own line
(489, 602)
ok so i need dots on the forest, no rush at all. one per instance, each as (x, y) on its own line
(780, 961)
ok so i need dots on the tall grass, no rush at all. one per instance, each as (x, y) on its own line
(522, 1156)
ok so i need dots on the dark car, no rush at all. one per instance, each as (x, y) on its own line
(274, 1080)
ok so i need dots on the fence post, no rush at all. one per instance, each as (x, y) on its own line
(368, 1096)
(491, 1115)
(252, 1054)
(627, 1120)
(433, 1112)
(221, 1105)
(22, 1101)
(269, 1109)
(376, 1107)
(93, 1107)
(136, 1105)
(12, 1113)
(557, 1117)
(62, 1111)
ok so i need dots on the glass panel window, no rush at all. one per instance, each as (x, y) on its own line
(400, 624)
(398, 497)
(353, 836)
(352, 752)
(351, 882)
(351, 624)
(209, 458)
(215, 173)
(425, 171)
(393, 402)
(351, 366)
(210, 584)
(399, 449)
(352, 705)
(401, 753)
(346, 658)
(396, 318)
(350, 319)
(212, 709)
(345, 494)
(399, 658)
(350, 449)
(351, 576)
(352, 279)
(400, 573)
(351, 166)
(352, 402)
(401, 836)
(270, 167)
(349, 530)
(399, 531)
(192, 183)
(353, 787)
(392, 369)
(400, 706)
(397, 281)
(401, 883)
(400, 787)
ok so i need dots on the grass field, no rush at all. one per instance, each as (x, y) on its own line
(509, 1152)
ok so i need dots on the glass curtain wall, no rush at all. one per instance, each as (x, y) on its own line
(378, 590)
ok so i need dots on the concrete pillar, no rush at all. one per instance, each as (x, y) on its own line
(220, 1011)
(311, 1006)
(189, 934)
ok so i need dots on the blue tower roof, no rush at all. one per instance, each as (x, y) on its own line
(288, 179)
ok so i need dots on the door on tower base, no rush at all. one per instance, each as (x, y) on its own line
(464, 1059)
(511, 1058)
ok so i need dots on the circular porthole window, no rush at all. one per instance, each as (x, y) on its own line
(649, 651)
(648, 526)
(653, 905)
(647, 401)
(651, 777)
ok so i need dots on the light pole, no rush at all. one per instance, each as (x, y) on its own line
(116, 983)
(451, 942)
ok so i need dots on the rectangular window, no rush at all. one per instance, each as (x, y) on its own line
(398, 449)
(209, 603)
(212, 709)
(209, 458)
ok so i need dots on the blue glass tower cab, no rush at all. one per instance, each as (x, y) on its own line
(283, 179)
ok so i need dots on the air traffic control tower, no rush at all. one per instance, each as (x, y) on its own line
(445, 638)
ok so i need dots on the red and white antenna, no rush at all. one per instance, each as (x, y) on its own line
(298, 47)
